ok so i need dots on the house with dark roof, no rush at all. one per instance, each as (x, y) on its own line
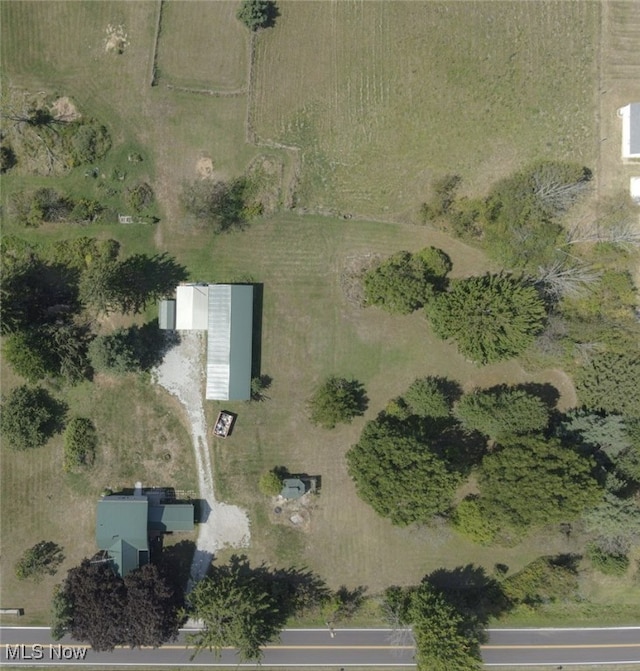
(630, 115)
(124, 524)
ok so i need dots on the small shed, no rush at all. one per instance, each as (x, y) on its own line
(630, 115)
(167, 315)
(292, 488)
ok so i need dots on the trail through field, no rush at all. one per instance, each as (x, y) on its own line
(181, 375)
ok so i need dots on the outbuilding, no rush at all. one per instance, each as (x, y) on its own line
(630, 115)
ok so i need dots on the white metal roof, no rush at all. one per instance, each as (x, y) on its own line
(192, 307)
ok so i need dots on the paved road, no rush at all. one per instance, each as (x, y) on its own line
(299, 648)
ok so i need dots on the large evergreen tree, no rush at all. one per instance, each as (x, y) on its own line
(536, 481)
(335, 401)
(502, 411)
(491, 317)
(405, 282)
(400, 476)
(30, 416)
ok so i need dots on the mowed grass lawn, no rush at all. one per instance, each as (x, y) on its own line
(203, 45)
(141, 436)
(309, 330)
(382, 96)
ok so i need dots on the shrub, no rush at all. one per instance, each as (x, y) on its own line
(336, 401)
(89, 141)
(270, 483)
(42, 559)
(609, 564)
(7, 158)
(544, 580)
(80, 441)
(139, 197)
(472, 521)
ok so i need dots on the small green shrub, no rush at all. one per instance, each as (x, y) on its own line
(270, 483)
(40, 560)
(139, 197)
(80, 442)
(336, 401)
(609, 564)
(473, 522)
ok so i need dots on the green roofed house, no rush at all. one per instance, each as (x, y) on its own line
(124, 522)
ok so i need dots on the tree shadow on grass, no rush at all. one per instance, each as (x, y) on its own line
(174, 562)
(473, 593)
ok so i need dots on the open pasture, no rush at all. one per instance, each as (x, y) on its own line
(202, 45)
(382, 96)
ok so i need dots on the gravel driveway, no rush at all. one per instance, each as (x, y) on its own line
(181, 374)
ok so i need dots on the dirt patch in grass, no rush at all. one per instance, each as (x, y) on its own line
(63, 109)
(352, 277)
(116, 40)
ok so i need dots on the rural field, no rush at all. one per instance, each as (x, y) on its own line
(383, 96)
(377, 98)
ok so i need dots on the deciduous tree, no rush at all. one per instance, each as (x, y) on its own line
(236, 610)
(96, 606)
(257, 14)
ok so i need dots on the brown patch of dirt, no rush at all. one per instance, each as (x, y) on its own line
(116, 40)
(64, 110)
(294, 513)
(351, 277)
(204, 168)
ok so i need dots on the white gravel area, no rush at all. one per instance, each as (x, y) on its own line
(181, 374)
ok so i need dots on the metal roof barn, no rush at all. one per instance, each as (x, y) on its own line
(229, 342)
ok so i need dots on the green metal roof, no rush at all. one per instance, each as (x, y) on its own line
(292, 488)
(229, 342)
(172, 517)
(121, 530)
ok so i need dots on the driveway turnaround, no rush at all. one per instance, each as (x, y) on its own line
(339, 648)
